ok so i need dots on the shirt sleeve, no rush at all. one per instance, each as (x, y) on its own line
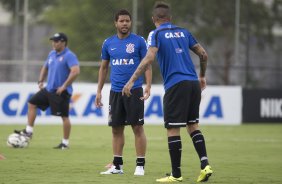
(47, 60)
(46, 63)
(192, 40)
(143, 47)
(72, 60)
(105, 54)
(151, 41)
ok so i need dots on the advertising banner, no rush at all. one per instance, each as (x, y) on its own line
(219, 105)
(262, 105)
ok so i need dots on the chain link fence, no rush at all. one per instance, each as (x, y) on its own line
(89, 22)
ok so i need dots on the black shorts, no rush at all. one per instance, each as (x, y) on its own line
(59, 104)
(181, 104)
(125, 110)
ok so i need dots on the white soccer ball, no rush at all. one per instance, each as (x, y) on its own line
(17, 141)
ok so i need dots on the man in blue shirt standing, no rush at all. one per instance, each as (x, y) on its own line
(124, 52)
(171, 45)
(61, 68)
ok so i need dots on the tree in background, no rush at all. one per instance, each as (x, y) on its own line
(89, 22)
(36, 7)
(213, 23)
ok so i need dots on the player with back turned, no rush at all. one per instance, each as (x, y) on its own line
(171, 45)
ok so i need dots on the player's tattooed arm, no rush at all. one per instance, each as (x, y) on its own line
(143, 66)
(140, 70)
(145, 63)
(203, 56)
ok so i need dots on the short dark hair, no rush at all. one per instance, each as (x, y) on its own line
(122, 12)
(161, 10)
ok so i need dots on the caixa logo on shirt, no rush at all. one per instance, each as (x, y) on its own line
(123, 62)
(174, 35)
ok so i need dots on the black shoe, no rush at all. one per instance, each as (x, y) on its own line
(61, 146)
(24, 133)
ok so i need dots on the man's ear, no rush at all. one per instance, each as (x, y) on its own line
(153, 20)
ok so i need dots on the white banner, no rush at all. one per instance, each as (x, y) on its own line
(219, 106)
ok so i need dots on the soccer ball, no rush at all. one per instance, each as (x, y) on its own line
(17, 141)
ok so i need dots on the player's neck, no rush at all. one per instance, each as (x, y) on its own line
(122, 36)
(60, 50)
(158, 23)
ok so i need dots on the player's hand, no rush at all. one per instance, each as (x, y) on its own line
(126, 89)
(60, 90)
(98, 102)
(40, 85)
(147, 93)
(203, 83)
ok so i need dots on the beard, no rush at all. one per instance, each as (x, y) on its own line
(124, 30)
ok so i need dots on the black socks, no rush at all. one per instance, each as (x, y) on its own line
(118, 161)
(140, 161)
(175, 150)
(200, 146)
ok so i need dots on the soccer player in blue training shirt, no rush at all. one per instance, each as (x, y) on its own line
(182, 86)
(61, 68)
(124, 52)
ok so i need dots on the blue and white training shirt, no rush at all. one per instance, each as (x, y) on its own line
(124, 55)
(58, 66)
(173, 56)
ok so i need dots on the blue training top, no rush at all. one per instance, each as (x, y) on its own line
(59, 69)
(124, 55)
(173, 55)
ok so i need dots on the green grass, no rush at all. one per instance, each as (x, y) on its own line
(238, 154)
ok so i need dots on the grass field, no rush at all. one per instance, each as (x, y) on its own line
(247, 154)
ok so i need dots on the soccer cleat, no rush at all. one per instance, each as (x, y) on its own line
(24, 133)
(112, 170)
(169, 179)
(61, 146)
(205, 174)
(139, 171)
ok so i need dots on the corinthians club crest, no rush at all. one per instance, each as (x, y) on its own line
(61, 58)
(130, 48)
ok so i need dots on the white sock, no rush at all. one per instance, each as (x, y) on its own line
(65, 141)
(29, 129)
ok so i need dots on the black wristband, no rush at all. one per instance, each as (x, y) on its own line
(38, 82)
